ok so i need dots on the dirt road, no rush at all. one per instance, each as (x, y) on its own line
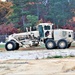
(38, 67)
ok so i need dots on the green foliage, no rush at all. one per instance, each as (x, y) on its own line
(25, 13)
(57, 11)
(32, 19)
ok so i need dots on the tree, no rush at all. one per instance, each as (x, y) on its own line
(22, 8)
(32, 20)
(5, 11)
(20, 11)
(59, 12)
(7, 29)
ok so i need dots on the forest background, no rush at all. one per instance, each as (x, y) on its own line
(16, 15)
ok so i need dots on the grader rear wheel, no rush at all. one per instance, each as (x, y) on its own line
(62, 44)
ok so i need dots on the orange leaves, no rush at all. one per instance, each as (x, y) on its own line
(5, 11)
(5, 5)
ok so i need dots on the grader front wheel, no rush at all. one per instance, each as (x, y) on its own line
(9, 46)
(50, 44)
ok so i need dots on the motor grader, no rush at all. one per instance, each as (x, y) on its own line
(52, 38)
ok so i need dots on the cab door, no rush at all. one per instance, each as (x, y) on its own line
(47, 31)
(41, 31)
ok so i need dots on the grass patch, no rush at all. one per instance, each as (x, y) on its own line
(55, 57)
(73, 44)
(60, 56)
(2, 46)
(69, 56)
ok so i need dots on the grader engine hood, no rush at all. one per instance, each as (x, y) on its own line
(63, 34)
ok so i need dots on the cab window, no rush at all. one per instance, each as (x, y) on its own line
(47, 27)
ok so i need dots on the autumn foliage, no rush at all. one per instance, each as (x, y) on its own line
(70, 26)
(5, 11)
(8, 29)
(24, 13)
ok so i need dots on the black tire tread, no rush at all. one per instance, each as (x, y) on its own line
(50, 40)
(58, 44)
(13, 43)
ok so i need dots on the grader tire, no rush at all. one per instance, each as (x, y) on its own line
(62, 44)
(50, 44)
(17, 46)
(10, 46)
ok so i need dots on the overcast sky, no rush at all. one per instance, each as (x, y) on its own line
(3, 0)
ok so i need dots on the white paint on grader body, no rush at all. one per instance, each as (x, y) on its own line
(64, 34)
(52, 38)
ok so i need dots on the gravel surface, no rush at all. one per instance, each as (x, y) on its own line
(36, 54)
(39, 52)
